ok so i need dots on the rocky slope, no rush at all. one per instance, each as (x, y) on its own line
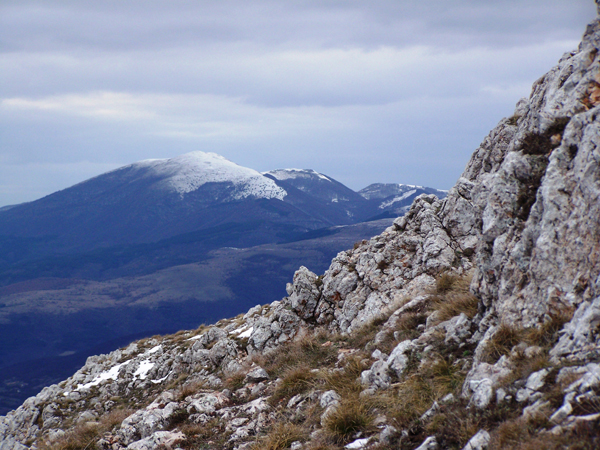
(390, 348)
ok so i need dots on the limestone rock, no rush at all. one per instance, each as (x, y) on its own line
(478, 442)
(399, 358)
(429, 444)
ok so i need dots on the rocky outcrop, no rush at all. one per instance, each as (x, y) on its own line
(389, 347)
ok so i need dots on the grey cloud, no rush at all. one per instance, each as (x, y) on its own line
(395, 91)
(137, 24)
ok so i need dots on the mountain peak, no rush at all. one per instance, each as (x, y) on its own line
(186, 173)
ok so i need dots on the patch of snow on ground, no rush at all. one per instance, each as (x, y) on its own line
(194, 338)
(397, 199)
(160, 380)
(154, 349)
(357, 444)
(242, 332)
(110, 374)
(247, 333)
(142, 371)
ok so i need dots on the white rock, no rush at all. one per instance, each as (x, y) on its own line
(329, 398)
(399, 357)
(429, 444)
(357, 444)
(478, 442)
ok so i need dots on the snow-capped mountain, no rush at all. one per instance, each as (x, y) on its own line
(338, 203)
(157, 199)
(187, 173)
(316, 184)
(394, 199)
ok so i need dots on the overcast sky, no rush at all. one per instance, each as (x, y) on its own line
(382, 91)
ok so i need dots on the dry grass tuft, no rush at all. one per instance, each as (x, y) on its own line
(235, 381)
(502, 342)
(453, 426)
(345, 381)
(204, 436)
(84, 436)
(294, 380)
(280, 437)
(352, 416)
(306, 350)
(445, 282)
(188, 389)
(546, 335)
(453, 297)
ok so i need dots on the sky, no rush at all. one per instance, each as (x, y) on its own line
(390, 91)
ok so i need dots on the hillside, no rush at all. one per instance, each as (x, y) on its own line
(470, 323)
(122, 255)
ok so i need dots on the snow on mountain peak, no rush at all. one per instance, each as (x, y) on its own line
(186, 173)
(286, 174)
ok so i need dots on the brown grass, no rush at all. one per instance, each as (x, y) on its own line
(445, 282)
(453, 297)
(346, 381)
(306, 350)
(501, 343)
(189, 389)
(453, 426)
(84, 436)
(208, 435)
(406, 328)
(524, 367)
(235, 381)
(280, 437)
(352, 416)
(294, 380)
(546, 335)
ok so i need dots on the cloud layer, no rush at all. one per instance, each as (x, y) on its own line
(394, 91)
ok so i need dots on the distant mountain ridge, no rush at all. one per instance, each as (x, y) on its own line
(152, 200)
